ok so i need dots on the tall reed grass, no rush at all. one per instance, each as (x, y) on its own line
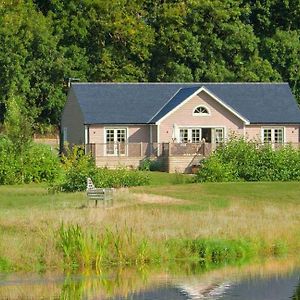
(89, 251)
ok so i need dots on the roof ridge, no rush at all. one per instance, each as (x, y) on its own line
(175, 83)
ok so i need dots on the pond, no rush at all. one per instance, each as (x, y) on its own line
(272, 279)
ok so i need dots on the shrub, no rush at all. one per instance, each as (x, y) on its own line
(246, 160)
(120, 178)
(78, 167)
(37, 163)
(41, 163)
(148, 164)
(8, 163)
(214, 170)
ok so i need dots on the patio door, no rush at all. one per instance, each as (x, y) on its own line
(116, 141)
(196, 135)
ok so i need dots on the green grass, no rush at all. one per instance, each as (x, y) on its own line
(279, 192)
(264, 215)
(21, 197)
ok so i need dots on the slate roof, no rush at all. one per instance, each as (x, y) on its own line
(146, 103)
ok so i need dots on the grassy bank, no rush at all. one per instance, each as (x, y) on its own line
(147, 225)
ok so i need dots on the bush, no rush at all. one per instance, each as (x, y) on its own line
(41, 163)
(8, 163)
(78, 167)
(245, 160)
(214, 170)
(36, 164)
(148, 164)
(120, 178)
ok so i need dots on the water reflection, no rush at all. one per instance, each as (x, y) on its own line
(275, 279)
(296, 296)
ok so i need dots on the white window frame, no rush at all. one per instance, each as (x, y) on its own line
(115, 129)
(191, 128)
(201, 114)
(272, 142)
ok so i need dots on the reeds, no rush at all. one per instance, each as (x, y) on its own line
(88, 251)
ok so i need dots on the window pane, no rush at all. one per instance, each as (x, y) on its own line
(278, 136)
(219, 135)
(109, 136)
(183, 135)
(195, 135)
(121, 139)
(121, 135)
(201, 110)
(267, 135)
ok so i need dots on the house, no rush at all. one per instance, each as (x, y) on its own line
(176, 123)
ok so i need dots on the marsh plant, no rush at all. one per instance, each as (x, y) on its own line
(87, 250)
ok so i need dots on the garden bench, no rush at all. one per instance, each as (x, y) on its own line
(102, 194)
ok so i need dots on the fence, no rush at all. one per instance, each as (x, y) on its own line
(149, 149)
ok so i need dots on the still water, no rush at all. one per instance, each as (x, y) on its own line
(271, 280)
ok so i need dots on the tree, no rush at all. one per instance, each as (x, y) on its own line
(17, 125)
(283, 51)
(30, 64)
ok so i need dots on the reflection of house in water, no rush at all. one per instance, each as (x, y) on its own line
(181, 292)
(203, 291)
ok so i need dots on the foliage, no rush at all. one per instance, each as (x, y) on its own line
(220, 251)
(38, 163)
(17, 125)
(150, 165)
(41, 164)
(82, 250)
(240, 159)
(120, 177)
(45, 43)
(78, 167)
(214, 170)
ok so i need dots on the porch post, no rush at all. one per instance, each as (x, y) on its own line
(158, 141)
(141, 149)
(151, 140)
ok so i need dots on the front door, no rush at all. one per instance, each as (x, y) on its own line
(116, 141)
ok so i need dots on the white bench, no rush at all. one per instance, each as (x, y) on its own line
(102, 194)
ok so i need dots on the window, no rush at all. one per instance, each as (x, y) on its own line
(115, 139)
(273, 135)
(219, 135)
(196, 135)
(201, 111)
(184, 136)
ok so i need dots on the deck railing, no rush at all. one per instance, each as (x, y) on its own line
(160, 149)
(149, 149)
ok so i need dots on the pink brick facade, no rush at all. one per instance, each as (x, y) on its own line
(135, 134)
(255, 132)
(219, 117)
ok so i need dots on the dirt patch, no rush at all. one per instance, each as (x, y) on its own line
(158, 199)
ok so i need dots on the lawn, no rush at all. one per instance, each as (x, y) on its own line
(265, 213)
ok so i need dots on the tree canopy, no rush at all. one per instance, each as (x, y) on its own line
(43, 43)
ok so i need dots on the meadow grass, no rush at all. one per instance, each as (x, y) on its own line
(149, 224)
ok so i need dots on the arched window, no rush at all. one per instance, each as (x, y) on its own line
(201, 111)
